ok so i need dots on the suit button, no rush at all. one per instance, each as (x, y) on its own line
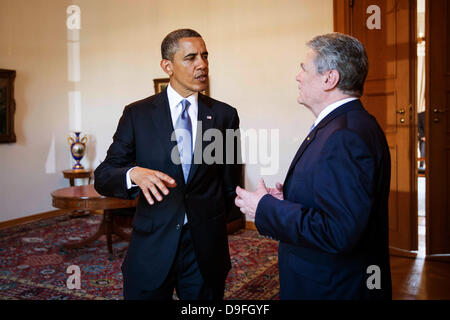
(178, 227)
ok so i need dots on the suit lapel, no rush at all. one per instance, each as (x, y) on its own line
(205, 121)
(352, 105)
(302, 149)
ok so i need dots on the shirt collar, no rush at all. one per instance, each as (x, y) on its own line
(330, 108)
(175, 98)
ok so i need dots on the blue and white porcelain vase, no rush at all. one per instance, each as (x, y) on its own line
(77, 149)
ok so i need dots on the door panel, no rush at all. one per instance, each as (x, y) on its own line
(437, 128)
(389, 95)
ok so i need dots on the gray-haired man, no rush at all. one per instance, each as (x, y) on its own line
(331, 215)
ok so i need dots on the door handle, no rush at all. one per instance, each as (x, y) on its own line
(436, 111)
(402, 112)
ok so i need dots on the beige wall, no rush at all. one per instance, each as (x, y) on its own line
(255, 49)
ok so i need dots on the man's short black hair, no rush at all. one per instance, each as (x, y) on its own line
(170, 43)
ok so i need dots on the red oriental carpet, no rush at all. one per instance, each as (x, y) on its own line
(33, 263)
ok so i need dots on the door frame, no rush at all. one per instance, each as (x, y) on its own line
(428, 129)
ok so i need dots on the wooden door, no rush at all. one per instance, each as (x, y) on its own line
(437, 129)
(389, 95)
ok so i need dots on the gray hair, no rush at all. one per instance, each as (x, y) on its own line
(170, 43)
(346, 54)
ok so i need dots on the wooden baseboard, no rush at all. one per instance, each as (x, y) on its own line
(232, 226)
(438, 257)
(402, 253)
(413, 255)
(250, 225)
(236, 225)
(34, 217)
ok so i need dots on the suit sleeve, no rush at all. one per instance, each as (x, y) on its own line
(232, 165)
(110, 175)
(343, 192)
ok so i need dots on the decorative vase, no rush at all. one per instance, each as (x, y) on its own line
(77, 149)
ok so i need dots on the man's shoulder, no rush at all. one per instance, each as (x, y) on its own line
(145, 103)
(353, 116)
(216, 105)
(361, 120)
(357, 124)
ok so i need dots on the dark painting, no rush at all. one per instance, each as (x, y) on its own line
(3, 110)
(7, 106)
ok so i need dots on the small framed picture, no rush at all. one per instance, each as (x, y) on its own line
(7, 106)
(161, 83)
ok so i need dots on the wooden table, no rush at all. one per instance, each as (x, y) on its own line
(77, 174)
(86, 198)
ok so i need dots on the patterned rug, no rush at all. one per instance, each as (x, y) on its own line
(33, 263)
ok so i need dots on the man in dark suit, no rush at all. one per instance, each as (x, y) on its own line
(179, 237)
(331, 214)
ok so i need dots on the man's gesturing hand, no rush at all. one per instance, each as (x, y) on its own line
(248, 201)
(149, 180)
(277, 192)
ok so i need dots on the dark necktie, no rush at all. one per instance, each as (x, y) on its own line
(184, 138)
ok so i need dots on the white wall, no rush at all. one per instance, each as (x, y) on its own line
(255, 49)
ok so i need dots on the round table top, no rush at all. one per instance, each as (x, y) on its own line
(85, 197)
(83, 173)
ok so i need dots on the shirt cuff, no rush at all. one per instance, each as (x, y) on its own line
(129, 183)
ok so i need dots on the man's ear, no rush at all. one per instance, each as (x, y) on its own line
(331, 79)
(166, 65)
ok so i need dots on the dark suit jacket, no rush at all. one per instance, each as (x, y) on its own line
(143, 138)
(333, 223)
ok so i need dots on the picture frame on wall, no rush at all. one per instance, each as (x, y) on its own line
(7, 106)
(161, 83)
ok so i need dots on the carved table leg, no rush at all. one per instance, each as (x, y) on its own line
(107, 227)
(101, 231)
(118, 231)
(79, 214)
(109, 230)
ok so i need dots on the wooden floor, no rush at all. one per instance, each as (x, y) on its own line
(420, 279)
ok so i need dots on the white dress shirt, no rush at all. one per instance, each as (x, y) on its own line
(331, 108)
(176, 108)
